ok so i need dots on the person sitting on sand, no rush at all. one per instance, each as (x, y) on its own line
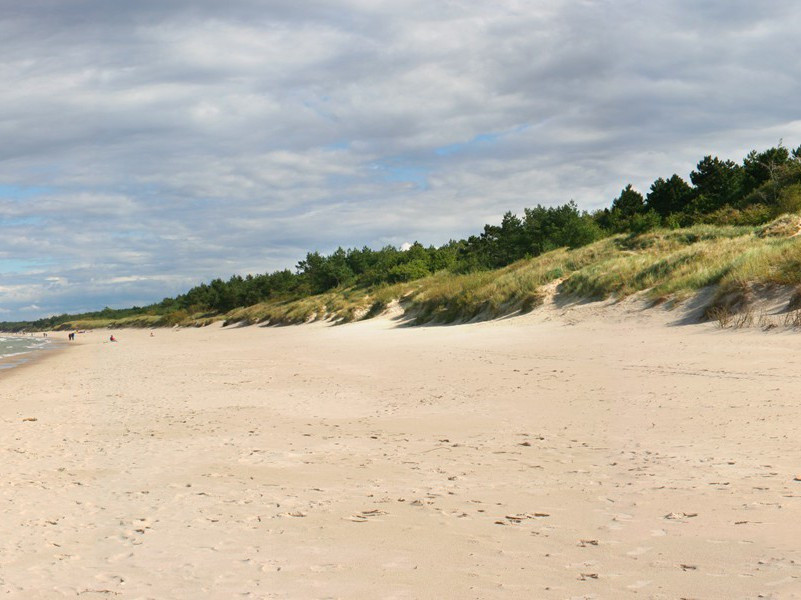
(112, 338)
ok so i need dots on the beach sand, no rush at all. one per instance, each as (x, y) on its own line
(593, 453)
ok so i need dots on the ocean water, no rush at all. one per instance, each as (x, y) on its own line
(16, 350)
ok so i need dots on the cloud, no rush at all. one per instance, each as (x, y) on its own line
(150, 145)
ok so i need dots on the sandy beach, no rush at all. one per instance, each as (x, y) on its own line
(585, 454)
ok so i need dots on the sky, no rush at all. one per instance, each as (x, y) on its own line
(149, 146)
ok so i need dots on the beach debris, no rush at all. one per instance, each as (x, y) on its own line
(586, 576)
(797, 478)
(585, 543)
(296, 513)
(688, 567)
(363, 516)
(435, 449)
(356, 519)
(680, 515)
(30, 419)
(520, 517)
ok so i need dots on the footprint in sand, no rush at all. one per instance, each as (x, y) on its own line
(326, 568)
(119, 557)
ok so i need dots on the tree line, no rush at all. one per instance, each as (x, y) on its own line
(754, 191)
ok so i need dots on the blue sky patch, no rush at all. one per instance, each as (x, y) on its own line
(17, 266)
(19, 192)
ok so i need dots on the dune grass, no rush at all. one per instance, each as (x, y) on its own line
(678, 264)
(342, 306)
(138, 321)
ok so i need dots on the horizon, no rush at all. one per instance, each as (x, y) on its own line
(150, 148)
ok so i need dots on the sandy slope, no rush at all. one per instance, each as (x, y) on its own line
(529, 458)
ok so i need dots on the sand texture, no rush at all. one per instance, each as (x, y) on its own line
(603, 454)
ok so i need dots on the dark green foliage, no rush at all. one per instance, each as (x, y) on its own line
(717, 183)
(762, 167)
(629, 203)
(415, 269)
(628, 214)
(321, 273)
(541, 229)
(669, 196)
(559, 227)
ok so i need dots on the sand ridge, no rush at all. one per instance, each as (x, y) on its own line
(601, 453)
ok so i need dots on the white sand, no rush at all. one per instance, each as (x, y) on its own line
(528, 458)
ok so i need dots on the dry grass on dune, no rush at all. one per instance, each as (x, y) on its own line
(344, 305)
(679, 264)
(139, 321)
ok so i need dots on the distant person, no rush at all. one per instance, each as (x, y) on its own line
(112, 338)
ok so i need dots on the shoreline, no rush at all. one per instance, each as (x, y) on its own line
(23, 359)
(546, 456)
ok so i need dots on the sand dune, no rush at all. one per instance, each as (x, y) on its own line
(594, 452)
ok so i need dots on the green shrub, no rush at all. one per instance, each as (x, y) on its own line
(790, 199)
(415, 269)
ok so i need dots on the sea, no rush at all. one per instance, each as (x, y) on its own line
(17, 350)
